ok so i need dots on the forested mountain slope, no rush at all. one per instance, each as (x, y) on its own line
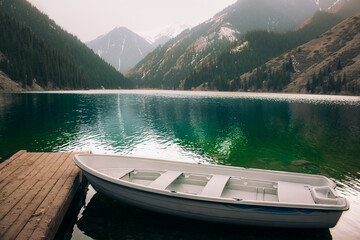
(256, 48)
(88, 67)
(329, 64)
(167, 66)
(29, 61)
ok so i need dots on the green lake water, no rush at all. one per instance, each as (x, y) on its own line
(299, 133)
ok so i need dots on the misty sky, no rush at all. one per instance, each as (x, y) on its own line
(87, 19)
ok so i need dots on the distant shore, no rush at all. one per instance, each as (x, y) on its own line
(8, 85)
(290, 97)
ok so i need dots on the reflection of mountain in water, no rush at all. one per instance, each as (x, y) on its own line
(332, 134)
(105, 218)
(256, 133)
(231, 131)
(322, 138)
(302, 137)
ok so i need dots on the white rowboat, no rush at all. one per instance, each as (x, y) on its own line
(217, 193)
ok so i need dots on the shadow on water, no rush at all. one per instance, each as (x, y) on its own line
(105, 218)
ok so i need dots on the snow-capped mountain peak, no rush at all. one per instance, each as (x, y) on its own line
(162, 35)
(174, 30)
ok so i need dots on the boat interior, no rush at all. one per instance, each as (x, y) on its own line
(226, 187)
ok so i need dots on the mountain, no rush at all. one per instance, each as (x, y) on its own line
(345, 8)
(329, 64)
(160, 37)
(167, 66)
(121, 48)
(90, 66)
(274, 15)
(32, 63)
(253, 50)
(342, 9)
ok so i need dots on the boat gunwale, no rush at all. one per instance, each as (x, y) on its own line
(234, 201)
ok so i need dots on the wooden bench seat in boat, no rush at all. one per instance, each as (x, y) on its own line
(294, 193)
(116, 172)
(215, 186)
(165, 179)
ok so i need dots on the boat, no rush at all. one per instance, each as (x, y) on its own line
(216, 193)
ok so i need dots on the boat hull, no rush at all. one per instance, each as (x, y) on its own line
(222, 212)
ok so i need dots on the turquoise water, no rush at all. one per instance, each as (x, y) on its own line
(307, 134)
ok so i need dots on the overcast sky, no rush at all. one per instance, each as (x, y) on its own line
(87, 19)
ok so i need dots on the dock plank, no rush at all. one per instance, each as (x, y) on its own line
(17, 203)
(38, 189)
(11, 159)
(39, 219)
(29, 180)
(25, 208)
(19, 168)
(47, 225)
(36, 193)
(14, 166)
(19, 177)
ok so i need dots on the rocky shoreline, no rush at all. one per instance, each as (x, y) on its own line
(7, 84)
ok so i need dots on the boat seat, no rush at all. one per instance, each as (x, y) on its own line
(294, 193)
(116, 172)
(165, 179)
(215, 186)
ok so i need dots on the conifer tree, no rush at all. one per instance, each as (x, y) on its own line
(339, 67)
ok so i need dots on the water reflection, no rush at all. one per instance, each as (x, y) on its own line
(311, 135)
(232, 131)
(347, 227)
(247, 132)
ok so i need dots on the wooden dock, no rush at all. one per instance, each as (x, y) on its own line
(36, 190)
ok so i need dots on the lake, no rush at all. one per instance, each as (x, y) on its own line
(298, 133)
